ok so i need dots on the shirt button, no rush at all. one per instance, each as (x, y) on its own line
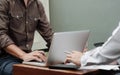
(27, 33)
(26, 22)
(27, 45)
(17, 17)
(35, 19)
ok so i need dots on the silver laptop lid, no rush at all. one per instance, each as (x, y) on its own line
(66, 41)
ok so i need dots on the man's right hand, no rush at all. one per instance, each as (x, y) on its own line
(35, 55)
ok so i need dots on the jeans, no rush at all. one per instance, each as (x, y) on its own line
(6, 64)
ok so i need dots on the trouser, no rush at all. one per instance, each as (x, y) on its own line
(6, 64)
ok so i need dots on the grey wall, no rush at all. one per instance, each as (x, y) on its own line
(99, 16)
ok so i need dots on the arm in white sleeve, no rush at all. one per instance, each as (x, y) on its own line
(105, 54)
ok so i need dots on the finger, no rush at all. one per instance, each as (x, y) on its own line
(33, 58)
(69, 56)
(67, 61)
(67, 52)
(36, 53)
(37, 59)
(42, 57)
(42, 52)
(73, 52)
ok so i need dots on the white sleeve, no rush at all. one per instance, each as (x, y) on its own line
(105, 54)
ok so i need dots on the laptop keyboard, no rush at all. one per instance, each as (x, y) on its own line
(35, 63)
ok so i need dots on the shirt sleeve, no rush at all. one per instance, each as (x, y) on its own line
(5, 40)
(105, 54)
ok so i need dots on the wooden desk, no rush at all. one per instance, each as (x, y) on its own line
(20, 69)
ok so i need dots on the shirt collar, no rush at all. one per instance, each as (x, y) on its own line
(29, 1)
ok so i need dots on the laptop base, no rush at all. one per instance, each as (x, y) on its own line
(64, 67)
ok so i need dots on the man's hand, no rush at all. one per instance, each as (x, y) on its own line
(74, 57)
(35, 55)
(16, 51)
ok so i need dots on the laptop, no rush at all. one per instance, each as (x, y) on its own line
(64, 42)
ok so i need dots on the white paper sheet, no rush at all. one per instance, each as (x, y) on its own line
(103, 67)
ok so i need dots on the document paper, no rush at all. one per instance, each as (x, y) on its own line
(102, 67)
